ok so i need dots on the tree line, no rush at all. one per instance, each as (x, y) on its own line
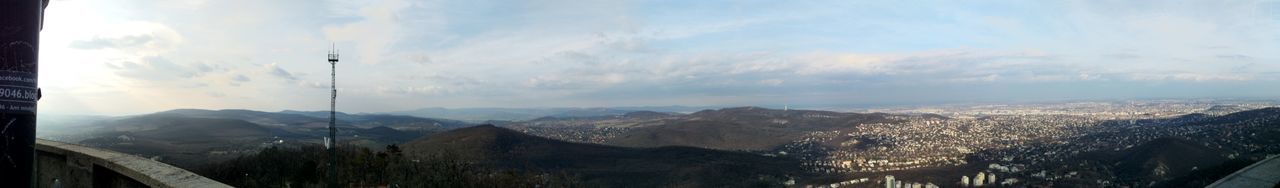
(305, 166)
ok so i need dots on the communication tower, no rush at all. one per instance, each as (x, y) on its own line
(332, 141)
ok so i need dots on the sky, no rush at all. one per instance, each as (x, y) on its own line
(115, 57)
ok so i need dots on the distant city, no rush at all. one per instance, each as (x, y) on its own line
(1024, 143)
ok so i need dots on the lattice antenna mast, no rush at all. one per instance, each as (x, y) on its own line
(332, 141)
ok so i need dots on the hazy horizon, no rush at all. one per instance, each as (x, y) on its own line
(146, 56)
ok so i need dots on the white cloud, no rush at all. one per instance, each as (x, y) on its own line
(379, 28)
(124, 41)
(771, 82)
(240, 78)
(275, 70)
(194, 54)
(413, 90)
(1199, 77)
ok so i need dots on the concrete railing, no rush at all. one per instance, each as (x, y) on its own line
(1262, 174)
(66, 165)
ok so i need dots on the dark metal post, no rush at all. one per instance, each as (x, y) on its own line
(20, 24)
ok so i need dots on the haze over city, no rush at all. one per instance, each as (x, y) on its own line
(148, 56)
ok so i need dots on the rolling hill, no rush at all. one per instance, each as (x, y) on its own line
(742, 128)
(184, 129)
(190, 137)
(258, 117)
(1186, 160)
(179, 140)
(610, 166)
(1164, 158)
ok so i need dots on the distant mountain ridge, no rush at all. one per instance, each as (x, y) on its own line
(373, 120)
(522, 114)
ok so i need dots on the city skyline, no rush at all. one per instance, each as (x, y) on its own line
(152, 56)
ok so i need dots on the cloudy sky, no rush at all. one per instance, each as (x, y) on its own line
(117, 57)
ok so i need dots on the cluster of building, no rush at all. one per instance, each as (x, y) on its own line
(1016, 141)
(927, 142)
(848, 183)
(581, 134)
(982, 178)
(889, 182)
(595, 130)
(1116, 109)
